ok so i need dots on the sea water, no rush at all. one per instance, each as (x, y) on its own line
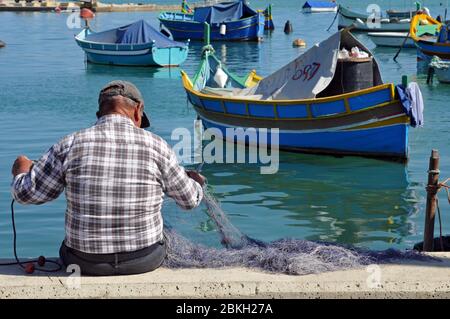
(47, 91)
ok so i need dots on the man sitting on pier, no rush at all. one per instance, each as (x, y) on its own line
(115, 175)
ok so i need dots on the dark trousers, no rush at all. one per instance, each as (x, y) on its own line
(127, 263)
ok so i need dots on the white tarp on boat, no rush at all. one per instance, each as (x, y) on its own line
(304, 77)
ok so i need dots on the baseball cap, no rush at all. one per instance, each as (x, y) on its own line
(125, 89)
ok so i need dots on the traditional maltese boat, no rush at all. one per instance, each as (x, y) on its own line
(316, 101)
(136, 44)
(431, 37)
(230, 21)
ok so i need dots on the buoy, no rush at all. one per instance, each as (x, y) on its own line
(223, 29)
(29, 268)
(288, 27)
(2, 44)
(299, 43)
(85, 13)
(41, 261)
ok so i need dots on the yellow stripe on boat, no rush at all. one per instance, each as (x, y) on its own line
(189, 87)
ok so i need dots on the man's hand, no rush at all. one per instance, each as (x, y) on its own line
(199, 178)
(21, 165)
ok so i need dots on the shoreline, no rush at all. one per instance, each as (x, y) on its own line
(50, 6)
(405, 279)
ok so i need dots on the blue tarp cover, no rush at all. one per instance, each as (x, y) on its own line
(223, 12)
(319, 4)
(141, 32)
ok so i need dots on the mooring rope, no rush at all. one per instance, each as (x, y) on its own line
(41, 261)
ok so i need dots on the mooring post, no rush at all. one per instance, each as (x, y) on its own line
(433, 180)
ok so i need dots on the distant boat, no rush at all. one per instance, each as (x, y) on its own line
(400, 14)
(136, 44)
(230, 21)
(431, 37)
(359, 21)
(441, 69)
(319, 6)
(307, 101)
(391, 39)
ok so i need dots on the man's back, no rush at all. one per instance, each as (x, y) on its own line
(115, 176)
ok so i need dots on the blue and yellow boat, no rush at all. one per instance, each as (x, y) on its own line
(366, 122)
(431, 37)
(136, 44)
(230, 21)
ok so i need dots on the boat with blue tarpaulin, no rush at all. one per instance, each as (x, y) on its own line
(136, 44)
(230, 21)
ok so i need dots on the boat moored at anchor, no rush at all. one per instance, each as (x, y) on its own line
(306, 101)
(136, 44)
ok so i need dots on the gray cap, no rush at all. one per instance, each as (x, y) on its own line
(125, 89)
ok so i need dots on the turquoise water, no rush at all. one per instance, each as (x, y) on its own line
(47, 91)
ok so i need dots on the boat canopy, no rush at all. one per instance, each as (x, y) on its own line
(223, 12)
(319, 4)
(311, 73)
(141, 32)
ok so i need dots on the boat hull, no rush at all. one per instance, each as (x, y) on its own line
(249, 29)
(366, 123)
(383, 142)
(443, 75)
(429, 49)
(319, 10)
(391, 39)
(132, 55)
(345, 22)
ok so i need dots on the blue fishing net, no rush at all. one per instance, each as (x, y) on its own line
(287, 256)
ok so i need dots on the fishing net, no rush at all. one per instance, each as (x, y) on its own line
(287, 256)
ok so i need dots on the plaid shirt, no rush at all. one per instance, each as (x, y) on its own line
(115, 176)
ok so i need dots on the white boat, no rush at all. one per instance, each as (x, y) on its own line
(391, 39)
(319, 6)
(361, 22)
(441, 69)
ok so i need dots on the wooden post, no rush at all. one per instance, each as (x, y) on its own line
(433, 179)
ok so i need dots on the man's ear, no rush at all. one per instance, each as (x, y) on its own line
(138, 113)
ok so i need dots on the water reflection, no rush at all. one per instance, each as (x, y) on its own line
(138, 72)
(347, 200)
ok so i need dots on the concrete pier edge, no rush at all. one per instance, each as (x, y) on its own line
(402, 279)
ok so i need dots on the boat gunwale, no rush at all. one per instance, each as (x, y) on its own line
(188, 85)
(142, 46)
(201, 23)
